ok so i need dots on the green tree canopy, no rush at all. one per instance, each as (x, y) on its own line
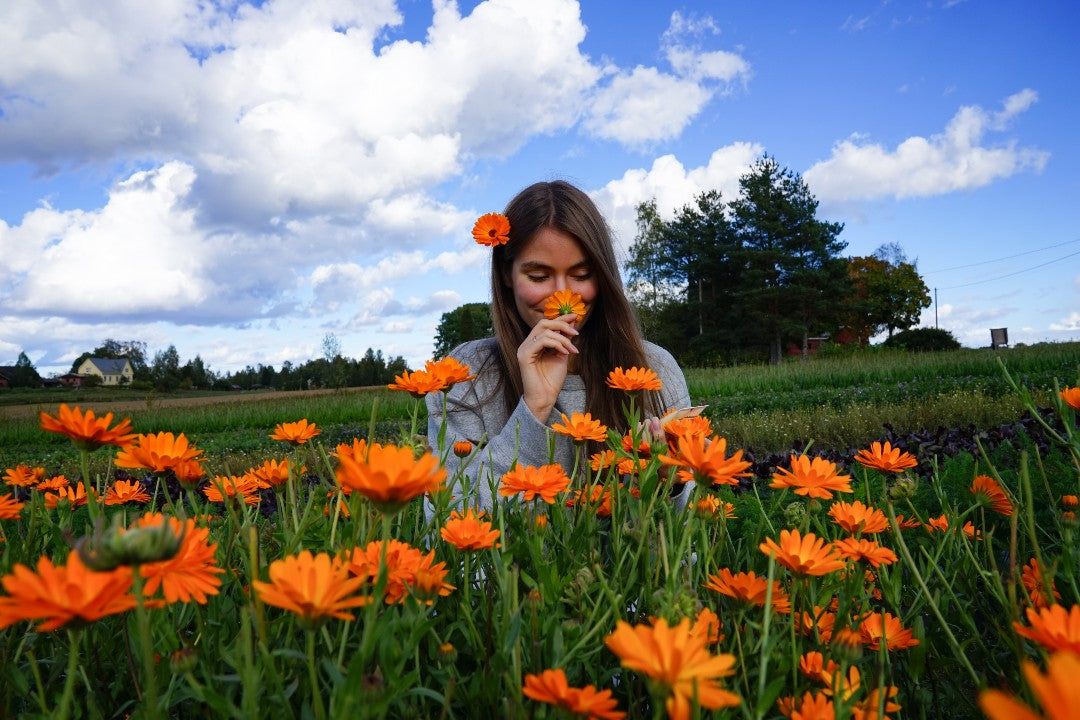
(470, 321)
(888, 294)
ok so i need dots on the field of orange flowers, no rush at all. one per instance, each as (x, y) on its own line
(315, 584)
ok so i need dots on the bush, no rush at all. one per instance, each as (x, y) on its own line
(923, 340)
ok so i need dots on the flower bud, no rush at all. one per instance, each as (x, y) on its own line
(108, 548)
(794, 514)
(904, 487)
(183, 661)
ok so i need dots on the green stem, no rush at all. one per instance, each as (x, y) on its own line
(313, 677)
(150, 689)
(69, 682)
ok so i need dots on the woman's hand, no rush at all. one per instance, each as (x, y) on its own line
(544, 358)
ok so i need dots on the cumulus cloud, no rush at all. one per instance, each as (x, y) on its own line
(953, 160)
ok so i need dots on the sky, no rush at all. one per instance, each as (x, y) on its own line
(242, 179)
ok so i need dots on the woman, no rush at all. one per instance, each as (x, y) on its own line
(536, 369)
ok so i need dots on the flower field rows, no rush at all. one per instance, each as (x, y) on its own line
(355, 580)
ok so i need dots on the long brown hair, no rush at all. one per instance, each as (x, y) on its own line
(615, 342)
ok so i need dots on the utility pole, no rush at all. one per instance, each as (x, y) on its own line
(935, 309)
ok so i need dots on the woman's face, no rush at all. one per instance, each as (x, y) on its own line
(551, 260)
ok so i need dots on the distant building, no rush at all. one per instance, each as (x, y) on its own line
(110, 370)
(7, 375)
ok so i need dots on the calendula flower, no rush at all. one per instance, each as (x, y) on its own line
(581, 428)
(812, 706)
(125, 491)
(684, 428)
(878, 627)
(869, 707)
(492, 229)
(1058, 692)
(750, 588)
(1071, 396)
(630, 466)
(971, 532)
(295, 433)
(678, 660)
(357, 450)
(10, 507)
(1054, 627)
(803, 554)
(937, 524)
(315, 587)
(462, 448)
(816, 478)
(403, 563)
(564, 302)
(821, 621)
(1070, 500)
(862, 549)
(813, 665)
(271, 473)
(1034, 583)
(855, 517)
(469, 531)
(596, 496)
(418, 384)
(24, 476)
(58, 482)
(711, 506)
(391, 476)
(530, 482)
(239, 488)
(705, 459)
(708, 625)
(57, 595)
(73, 496)
(448, 371)
(986, 490)
(602, 460)
(633, 380)
(86, 431)
(189, 575)
(158, 453)
(189, 473)
(885, 458)
(551, 687)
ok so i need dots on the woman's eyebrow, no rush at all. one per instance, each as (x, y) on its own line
(535, 265)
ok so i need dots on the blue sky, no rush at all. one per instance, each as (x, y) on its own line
(239, 180)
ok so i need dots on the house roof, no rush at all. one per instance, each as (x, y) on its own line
(109, 366)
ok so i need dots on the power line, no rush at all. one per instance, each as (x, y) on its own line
(1017, 272)
(1007, 257)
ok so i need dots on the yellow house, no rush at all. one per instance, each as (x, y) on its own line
(110, 370)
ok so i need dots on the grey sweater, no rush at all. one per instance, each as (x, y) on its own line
(475, 412)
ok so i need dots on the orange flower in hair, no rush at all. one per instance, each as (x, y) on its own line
(633, 380)
(551, 687)
(803, 554)
(24, 476)
(296, 433)
(581, 427)
(492, 229)
(564, 302)
(886, 458)
(987, 490)
(816, 478)
(530, 482)
(1071, 396)
(86, 431)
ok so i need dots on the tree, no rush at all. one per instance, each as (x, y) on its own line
(25, 375)
(888, 294)
(470, 321)
(331, 347)
(793, 281)
(165, 371)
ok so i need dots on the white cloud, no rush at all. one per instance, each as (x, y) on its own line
(1071, 323)
(946, 162)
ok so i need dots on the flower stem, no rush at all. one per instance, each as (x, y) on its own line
(150, 696)
(72, 669)
(313, 677)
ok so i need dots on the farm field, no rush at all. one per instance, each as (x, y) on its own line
(800, 568)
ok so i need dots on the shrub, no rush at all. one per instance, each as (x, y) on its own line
(923, 340)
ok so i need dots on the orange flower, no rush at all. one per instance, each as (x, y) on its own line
(1070, 500)
(58, 482)
(315, 587)
(357, 450)
(601, 460)
(295, 433)
(708, 625)
(240, 488)
(449, 372)
(711, 506)
(677, 659)
(971, 532)
(816, 478)
(987, 490)
(391, 476)
(885, 458)
(627, 466)
(633, 380)
(1057, 691)
(862, 549)
(271, 473)
(812, 664)
(580, 428)
(1054, 627)
(685, 427)
(189, 473)
(564, 302)
(10, 507)
(907, 523)
(823, 621)
(124, 491)
(86, 431)
(596, 496)
(74, 496)
(469, 531)
(1032, 578)
(812, 706)
(705, 459)
(190, 574)
(57, 595)
(803, 554)
(24, 476)
(418, 384)
(551, 687)
(855, 517)
(158, 453)
(867, 708)
(492, 229)
(749, 588)
(940, 523)
(462, 448)
(530, 482)
(403, 564)
(1071, 396)
(883, 626)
